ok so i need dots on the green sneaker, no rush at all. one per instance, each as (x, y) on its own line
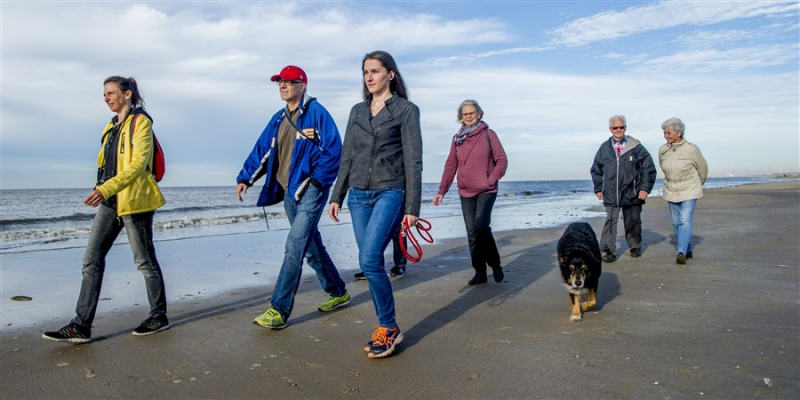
(335, 302)
(271, 319)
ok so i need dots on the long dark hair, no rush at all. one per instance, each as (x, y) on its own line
(396, 85)
(126, 84)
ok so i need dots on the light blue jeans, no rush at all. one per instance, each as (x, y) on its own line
(105, 229)
(304, 240)
(375, 215)
(682, 214)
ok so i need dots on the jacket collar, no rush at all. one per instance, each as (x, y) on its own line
(392, 108)
(672, 146)
(305, 102)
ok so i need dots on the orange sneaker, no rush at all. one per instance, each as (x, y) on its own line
(384, 341)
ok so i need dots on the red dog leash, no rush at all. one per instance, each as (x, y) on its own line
(423, 228)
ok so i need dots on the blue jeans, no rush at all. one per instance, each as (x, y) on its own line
(682, 214)
(376, 215)
(304, 240)
(105, 229)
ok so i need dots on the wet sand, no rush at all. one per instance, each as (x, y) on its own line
(726, 325)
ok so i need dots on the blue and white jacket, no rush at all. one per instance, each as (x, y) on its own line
(315, 156)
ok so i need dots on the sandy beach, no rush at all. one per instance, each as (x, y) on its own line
(724, 326)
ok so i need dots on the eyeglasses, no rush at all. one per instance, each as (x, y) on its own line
(287, 83)
(618, 128)
(469, 114)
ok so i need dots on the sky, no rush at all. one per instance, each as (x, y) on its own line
(548, 75)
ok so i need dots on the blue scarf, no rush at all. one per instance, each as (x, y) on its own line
(465, 131)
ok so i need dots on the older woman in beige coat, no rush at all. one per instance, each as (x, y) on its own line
(685, 171)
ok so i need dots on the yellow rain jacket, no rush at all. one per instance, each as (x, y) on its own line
(134, 185)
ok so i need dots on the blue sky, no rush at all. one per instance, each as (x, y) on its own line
(548, 75)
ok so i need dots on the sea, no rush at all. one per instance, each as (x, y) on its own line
(51, 219)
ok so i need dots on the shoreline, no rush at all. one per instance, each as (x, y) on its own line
(714, 328)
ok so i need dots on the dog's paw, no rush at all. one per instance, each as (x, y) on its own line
(587, 306)
(575, 318)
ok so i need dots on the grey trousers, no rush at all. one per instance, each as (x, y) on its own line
(632, 217)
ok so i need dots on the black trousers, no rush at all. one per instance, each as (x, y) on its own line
(477, 213)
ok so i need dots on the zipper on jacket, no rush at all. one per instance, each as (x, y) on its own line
(617, 186)
(372, 156)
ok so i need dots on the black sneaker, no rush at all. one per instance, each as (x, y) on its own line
(152, 325)
(636, 253)
(689, 255)
(72, 333)
(477, 280)
(360, 276)
(610, 256)
(397, 271)
(497, 274)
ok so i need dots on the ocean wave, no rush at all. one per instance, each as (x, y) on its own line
(63, 234)
(198, 222)
(77, 217)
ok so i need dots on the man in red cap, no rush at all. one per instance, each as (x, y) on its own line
(298, 153)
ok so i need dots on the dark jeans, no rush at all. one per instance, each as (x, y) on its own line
(477, 213)
(397, 252)
(105, 229)
(304, 240)
(632, 216)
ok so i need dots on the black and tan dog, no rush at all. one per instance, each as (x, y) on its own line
(580, 262)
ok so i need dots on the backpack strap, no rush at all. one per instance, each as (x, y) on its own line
(491, 153)
(133, 127)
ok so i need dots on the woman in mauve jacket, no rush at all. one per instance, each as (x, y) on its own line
(480, 161)
(381, 170)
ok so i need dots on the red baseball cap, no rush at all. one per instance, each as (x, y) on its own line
(291, 73)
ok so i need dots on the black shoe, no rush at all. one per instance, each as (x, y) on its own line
(610, 256)
(478, 279)
(152, 325)
(397, 271)
(689, 255)
(498, 275)
(636, 253)
(681, 259)
(360, 276)
(72, 333)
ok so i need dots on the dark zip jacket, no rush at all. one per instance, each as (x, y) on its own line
(382, 152)
(621, 179)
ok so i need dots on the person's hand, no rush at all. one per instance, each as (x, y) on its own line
(240, 190)
(333, 211)
(410, 220)
(599, 195)
(94, 199)
(643, 194)
(437, 199)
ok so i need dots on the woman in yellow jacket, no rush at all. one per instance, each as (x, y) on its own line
(127, 196)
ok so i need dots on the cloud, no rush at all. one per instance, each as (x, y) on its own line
(204, 71)
(472, 57)
(662, 15)
(712, 60)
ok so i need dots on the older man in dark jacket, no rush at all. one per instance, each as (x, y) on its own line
(623, 174)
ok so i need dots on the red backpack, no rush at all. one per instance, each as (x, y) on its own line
(159, 165)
